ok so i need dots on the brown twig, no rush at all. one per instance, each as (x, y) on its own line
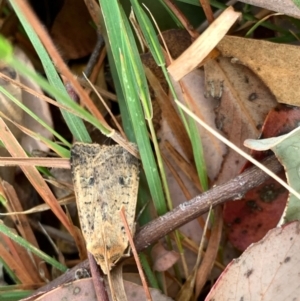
(187, 211)
(94, 56)
(184, 21)
(184, 213)
(207, 10)
(98, 280)
(211, 253)
(136, 256)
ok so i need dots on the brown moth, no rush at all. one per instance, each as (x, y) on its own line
(105, 179)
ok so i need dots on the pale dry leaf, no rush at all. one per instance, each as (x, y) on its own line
(136, 293)
(268, 270)
(177, 42)
(116, 284)
(277, 65)
(287, 7)
(12, 111)
(193, 84)
(8, 107)
(203, 45)
(37, 106)
(83, 289)
(163, 259)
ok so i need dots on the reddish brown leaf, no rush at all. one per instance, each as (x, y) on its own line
(249, 219)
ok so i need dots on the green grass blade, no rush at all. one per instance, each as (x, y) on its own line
(34, 116)
(155, 48)
(69, 104)
(21, 241)
(119, 46)
(9, 271)
(14, 295)
(148, 271)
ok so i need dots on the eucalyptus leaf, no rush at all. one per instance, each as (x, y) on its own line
(287, 150)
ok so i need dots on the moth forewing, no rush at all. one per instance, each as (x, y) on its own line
(105, 179)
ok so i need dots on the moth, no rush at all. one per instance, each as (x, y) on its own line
(105, 179)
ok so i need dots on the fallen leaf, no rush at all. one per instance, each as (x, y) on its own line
(249, 219)
(276, 64)
(243, 104)
(9, 108)
(72, 30)
(268, 270)
(37, 106)
(286, 7)
(203, 45)
(163, 259)
(286, 148)
(193, 85)
(83, 289)
(136, 293)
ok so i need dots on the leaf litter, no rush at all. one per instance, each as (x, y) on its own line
(247, 125)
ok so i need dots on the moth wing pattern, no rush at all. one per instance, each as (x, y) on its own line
(105, 179)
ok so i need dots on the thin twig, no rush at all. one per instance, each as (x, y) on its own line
(135, 254)
(187, 211)
(98, 280)
(207, 10)
(94, 56)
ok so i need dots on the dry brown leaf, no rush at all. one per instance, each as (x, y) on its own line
(164, 112)
(14, 113)
(21, 223)
(13, 255)
(244, 103)
(9, 108)
(213, 149)
(38, 182)
(177, 41)
(136, 293)
(277, 65)
(72, 31)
